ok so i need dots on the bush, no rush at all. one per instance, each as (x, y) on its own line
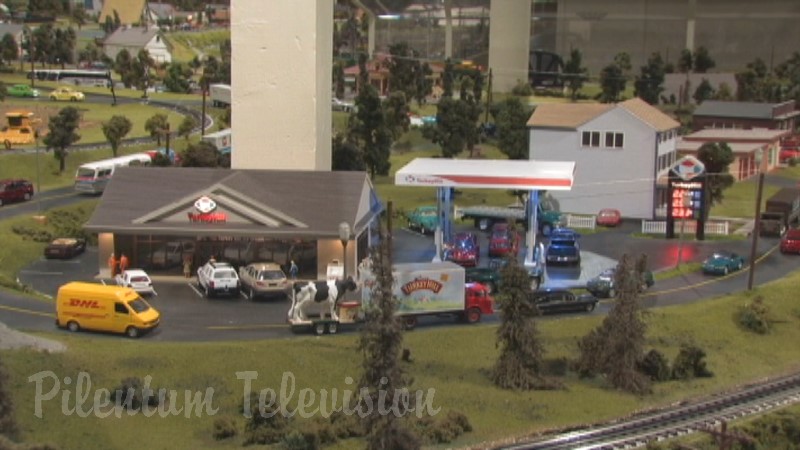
(655, 365)
(792, 162)
(268, 428)
(224, 428)
(755, 316)
(690, 363)
(301, 440)
(522, 89)
(346, 426)
(443, 431)
(132, 394)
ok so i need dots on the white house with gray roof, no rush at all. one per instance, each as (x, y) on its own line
(620, 151)
(135, 39)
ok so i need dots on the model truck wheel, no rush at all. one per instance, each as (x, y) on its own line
(319, 329)
(73, 326)
(473, 315)
(333, 328)
(132, 332)
(410, 322)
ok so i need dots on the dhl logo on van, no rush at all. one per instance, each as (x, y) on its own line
(421, 284)
(88, 304)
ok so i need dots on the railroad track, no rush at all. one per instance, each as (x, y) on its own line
(673, 422)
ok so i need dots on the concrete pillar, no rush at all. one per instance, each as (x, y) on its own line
(509, 42)
(690, 23)
(281, 84)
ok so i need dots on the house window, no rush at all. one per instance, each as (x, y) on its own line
(590, 139)
(614, 140)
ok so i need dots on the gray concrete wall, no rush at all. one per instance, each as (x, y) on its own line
(509, 43)
(281, 84)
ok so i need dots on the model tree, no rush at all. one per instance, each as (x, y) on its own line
(702, 60)
(717, 157)
(367, 128)
(8, 426)
(115, 130)
(156, 125)
(650, 83)
(575, 73)
(521, 350)
(613, 78)
(615, 349)
(511, 117)
(62, 134)
(380, 344)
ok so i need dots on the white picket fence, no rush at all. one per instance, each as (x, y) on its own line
(660, 227)
(586, 222)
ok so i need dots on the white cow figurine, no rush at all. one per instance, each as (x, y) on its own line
(318, 292)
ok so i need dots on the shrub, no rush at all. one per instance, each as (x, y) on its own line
(442, 431)
(132, 394)
(690, 363)
(522, 89)
(655, 365)
(224, 428)
(346, 426)
(270, 427)
(301, 440)
(755, 316)
(792, 162)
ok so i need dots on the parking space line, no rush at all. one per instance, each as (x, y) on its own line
(196, 291)
(40, 272)
(27, 311)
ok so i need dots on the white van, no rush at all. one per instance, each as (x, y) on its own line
(91, 178)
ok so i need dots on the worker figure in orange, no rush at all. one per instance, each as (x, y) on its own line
(123, 263)
(112, 264)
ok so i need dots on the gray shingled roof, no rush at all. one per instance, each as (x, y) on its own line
(156, 200)
(741, 110)
(131, 37)
(13, 28)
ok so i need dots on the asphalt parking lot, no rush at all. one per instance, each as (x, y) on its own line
(188, 316)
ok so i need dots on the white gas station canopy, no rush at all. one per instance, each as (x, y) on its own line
(488, 173)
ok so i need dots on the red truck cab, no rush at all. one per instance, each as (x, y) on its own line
(477, 302)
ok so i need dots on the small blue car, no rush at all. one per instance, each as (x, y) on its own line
(722, 263)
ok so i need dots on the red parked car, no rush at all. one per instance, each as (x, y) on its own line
(465, 250)
(15, 191)
(790, 243)
(788, 153)
(503, 241)
(609, 217)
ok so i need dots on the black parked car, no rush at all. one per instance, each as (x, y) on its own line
(602, 285)
(64, 248)
(562, 300)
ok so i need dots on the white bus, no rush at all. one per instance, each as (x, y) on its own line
(76, 77)
(92, 178)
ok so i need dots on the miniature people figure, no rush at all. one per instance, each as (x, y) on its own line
(293, 270)
(123, 263)
(112, 264)
(187, 266)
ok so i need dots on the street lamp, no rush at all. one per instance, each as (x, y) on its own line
(757, 225)
(344, 236)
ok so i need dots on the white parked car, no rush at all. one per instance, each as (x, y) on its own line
(137, 279)
(218, 278)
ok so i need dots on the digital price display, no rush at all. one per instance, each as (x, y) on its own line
(687, 203)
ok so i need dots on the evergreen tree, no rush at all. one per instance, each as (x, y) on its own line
(368, 129)
(575, 73)
(615, 349)
(396, 113)
(703, 92)
(613, 78)
(62, 134)
(402, 65)
(650, 83)
(423, 82)
(717, 157)
(201, 154)
(8, 426)
(511, 117)
(345, 155)
(521, 349)
(686, 61)
(8, 48)
(702, 60)
(380, 345)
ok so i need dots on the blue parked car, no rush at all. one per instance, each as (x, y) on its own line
(563, 247)
(722, 263)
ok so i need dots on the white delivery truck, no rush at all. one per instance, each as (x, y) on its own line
(422, 289)
(222, 139)
(220, 95)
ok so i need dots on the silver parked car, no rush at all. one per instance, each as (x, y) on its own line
(262, 279)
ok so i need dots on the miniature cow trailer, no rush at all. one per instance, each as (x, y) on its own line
(320, 306)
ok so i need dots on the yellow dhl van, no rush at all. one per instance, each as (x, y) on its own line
(104, 308)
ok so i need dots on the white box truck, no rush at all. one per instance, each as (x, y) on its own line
(220, 95)
(222, 139)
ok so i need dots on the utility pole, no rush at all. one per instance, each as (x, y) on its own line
(756, 230)
(203, 115)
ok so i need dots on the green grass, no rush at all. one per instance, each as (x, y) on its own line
(740, 199)
(207, 42)
(17, 252)
(683, 269)
(455, 367)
